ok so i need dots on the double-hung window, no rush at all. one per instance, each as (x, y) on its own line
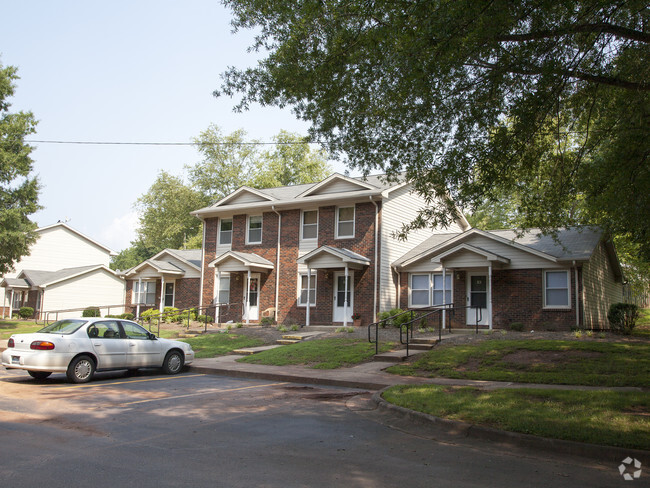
(254, 234)
(427, 290)
(302, 300)
(420, 290)
(344, 222)
(438, 289)
(556, 289)
(309, 225)
(225, 231)
(145, 295)
(224, 290)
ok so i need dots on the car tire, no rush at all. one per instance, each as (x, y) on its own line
(173, 363)
(39, 375)
(81, 369)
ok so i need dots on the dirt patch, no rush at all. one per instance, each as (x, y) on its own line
(471, 365)
(525, 357)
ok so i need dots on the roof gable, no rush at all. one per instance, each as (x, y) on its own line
(61, 225)
(244, 194)
(337, 183)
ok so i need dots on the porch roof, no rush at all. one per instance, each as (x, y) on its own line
(489, 256)
(15, 283)
(234, 261)
(328, 257)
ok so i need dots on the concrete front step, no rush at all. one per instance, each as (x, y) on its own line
(396, 356)
(285, 342)
(247, 351)
(297, 337)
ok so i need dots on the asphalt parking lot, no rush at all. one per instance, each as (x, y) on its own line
(196, 430)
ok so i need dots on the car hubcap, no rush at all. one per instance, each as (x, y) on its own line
(82, 370)
(174, 362)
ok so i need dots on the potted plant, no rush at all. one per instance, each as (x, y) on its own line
(356, 319)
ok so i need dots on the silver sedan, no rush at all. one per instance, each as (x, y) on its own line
(79, 347)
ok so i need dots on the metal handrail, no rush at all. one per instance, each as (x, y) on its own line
(376, 325)
(46, 321)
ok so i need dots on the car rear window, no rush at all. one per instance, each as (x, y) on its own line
(65, 327)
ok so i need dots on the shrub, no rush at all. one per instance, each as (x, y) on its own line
(397, 321)
(91, 312)
(26, 312)
(517, 326)
(205, 318)
(266, 321)
(127, 316)
(622, 317)
(151, 314)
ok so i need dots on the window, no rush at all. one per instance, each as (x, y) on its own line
(310, 224)
(302, 300)
(420, 290)
(223, 295)
(225, 231)
(254, 229)
(134, 331)
(438, 289)
(344, 222)
(147, 295)
(18, 295)
(169, 294)
(556, 289)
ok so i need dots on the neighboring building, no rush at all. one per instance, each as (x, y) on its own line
(308, 254)
(64, 270)
(171, 278)
(537, 280)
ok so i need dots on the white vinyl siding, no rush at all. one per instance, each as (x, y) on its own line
(557, 289)
(345, 222)
(254, 230)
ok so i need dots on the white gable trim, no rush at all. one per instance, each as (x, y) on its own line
(240, 191)
(330, 179)
(244, 258)
(172, 253)
(489, 256)
(81, 273)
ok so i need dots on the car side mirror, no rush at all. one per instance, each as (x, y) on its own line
(152, 337)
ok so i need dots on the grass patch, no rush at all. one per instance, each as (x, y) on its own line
(212, 345)
(538, 361)
(319, 354)
(598, 417)
(642, 328)
(10, 327)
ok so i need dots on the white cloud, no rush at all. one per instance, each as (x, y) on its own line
(121, 231)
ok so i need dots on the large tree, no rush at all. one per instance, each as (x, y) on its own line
(471, 99)
(18, 187)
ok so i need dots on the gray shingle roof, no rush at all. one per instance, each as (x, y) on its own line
(191, 255)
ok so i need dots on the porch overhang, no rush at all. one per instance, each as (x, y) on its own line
(328, 257)
(15, 283)
(159, 267)
(234, 262)
(454, 257)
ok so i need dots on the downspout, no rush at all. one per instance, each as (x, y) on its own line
(277, 266)
(575, 268)
(374, 307)
(202, 268)
(399, 288)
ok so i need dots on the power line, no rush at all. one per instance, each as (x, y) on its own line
(222, 143)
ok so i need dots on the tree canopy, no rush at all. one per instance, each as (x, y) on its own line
(18, 188)
(471, 100)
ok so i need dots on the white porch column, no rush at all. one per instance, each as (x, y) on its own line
(248, 297)
(308, 296)
(161, 307)
(217, 317)
(11, 305)
(444, 295)
(138, 296)
(490, 295)
(345, 297)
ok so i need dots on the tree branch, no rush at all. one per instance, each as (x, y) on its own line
(599, 27)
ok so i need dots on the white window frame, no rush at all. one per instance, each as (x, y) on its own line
(138, 293)
(228, 232)
(222, 290)
(337, 222)
(301, 289)
(428, 289)
(173, 284)
(568, 289)
(448, 276)
(302, 226)
(248, 228)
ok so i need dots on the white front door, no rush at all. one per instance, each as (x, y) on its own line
(252, 298)
(477, 299)
(340, 296)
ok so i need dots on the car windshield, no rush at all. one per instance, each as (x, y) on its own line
(64, 327)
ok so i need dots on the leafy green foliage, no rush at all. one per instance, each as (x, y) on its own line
(18, 188)
(471, 100)
(26, 312)
(622, 317)
(91, 312)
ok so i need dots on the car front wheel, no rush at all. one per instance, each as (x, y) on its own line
(173, 362)
(81, 369)
(39, 375)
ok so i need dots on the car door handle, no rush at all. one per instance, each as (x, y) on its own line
(131, 344)
(97, 344)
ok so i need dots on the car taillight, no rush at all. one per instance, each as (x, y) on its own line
(41, 345)
(11, 343)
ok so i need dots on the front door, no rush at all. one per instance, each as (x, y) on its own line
(340, 297)
(169, 294)
(252, 298)
(477, 299)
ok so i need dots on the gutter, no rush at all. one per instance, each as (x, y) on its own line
(374, 307)
(277, 265)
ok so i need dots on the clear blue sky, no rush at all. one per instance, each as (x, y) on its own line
(126, 71)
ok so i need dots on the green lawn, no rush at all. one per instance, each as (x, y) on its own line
(212, 345)
(642, 328)
(585, 362)
(9, 327)
(598, 417)
(319, 354)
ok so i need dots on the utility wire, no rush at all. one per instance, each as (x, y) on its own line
(224, 143)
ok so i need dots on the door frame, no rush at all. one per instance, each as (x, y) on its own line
(336, 317)
(252, 313)
(470, 315)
